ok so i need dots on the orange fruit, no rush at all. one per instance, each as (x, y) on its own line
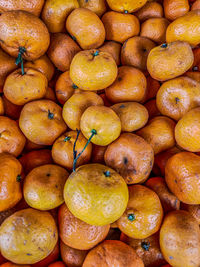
(133, 115)
(166, 62)
(187, 131)
(175, 8)
(62, 150)
(35, 158)
(113, 252)
(159, 133)
(125, 6)
(25, 31)
(21, 89)
(130, 85)
(181, 175)
(50, 94)
(194, 210)
(89, 65)
(42, 64)
(17, 245)
(186, 28)
(71, 256)
(75, 106)
(168, 200)
(150, 10)
(34, 6)
(148, 249)
(180, 239)
(152, 108)
(131, 156)
(135, 51)
(102, 122)
(11, 138)
(155, 29)
(143, 215)
(177, 96)
(119, 27)
(55, 12)
(78, 234)
(113, 48)
(99, 184)
(65, 88)
(86, 28)
(10, 177)
(44, 117)
(152, 88)
(61, 51)
(97, 6)
(43, 187)
(196, 5)
(98, 153)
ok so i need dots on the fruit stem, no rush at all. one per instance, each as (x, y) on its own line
(131, 217)
(19, 59)
(76, 157)
(19, 178)
(67, 138)
(96, 53)
(145, 246)
(164, 45)
(74, 86)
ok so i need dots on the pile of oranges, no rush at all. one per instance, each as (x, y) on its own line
(100, 133)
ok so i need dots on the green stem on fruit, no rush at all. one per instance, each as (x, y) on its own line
(96, 53)
(76, 157)
(19, 59)
(131, 217)
(145, 246)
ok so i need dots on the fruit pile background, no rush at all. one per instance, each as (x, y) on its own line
(100, 133)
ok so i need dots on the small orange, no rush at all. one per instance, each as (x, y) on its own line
(175, 8)
(21, 89)
(177, 96)
(182, 178)
(131, 156)
(23, 31)
(130, 85)
(44, 117)
(135, 52)
(169, 201)
(128, 6)
(98, 153)
(11, 138)
(29, 146)
(34, 225)
(150, 10)
(50, 94)
(55, 12)
(185, 28)
(35, 158)
(112, 252)
(166, 62)
(78, 234)
(113, 48)
(148, 249)
(195, 75)
(43, 64)
(62, 150)
(159, 133)
(99, 184)
(65, 88)
(61, 51)
(187, 131)
(196, 5)
(119, 27)
(10, 177)
(180, 239)
(75, 106)
(143, 215)
(152, 88)
(87, 67)
(97, 6)
(133, 115)
(34, 6)
(71, 256)
(102, 122)
(86, 28)
(155, 29)
(43, 187)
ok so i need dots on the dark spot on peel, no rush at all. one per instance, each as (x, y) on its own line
(122, 106)
(177, 100)
(28, 254)
(56, 186)
(48, 174)
(119, 79)
(175, 181)
(125, 160)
